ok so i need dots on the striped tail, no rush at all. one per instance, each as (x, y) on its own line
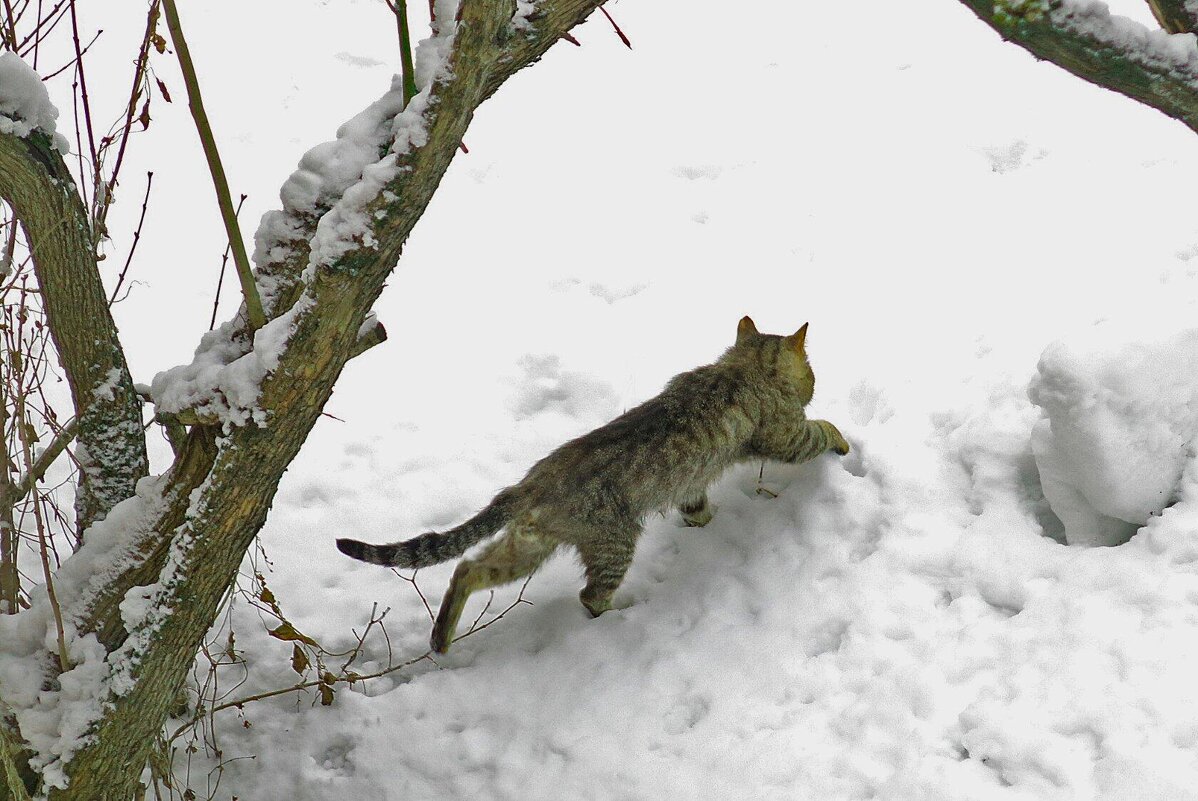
(435, 547)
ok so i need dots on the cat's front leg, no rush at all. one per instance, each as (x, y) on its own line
(813, 438)
(832, 436)
(696, 512)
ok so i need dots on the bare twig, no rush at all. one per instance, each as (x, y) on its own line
(619, 32)
(10, 579)
(82, 75)
(431, 614)
(476, 628)
(37, 471)
(64, 656)
(72, 62)
(145, 201)
(9, 31)
(139, 75)
(220, 281)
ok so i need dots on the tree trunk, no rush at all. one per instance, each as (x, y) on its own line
(111, 446)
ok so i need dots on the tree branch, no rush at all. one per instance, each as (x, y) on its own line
(1081, 36)
(14, 770)
(1175, 16)
(253, 303)
(112, 453)
(25, 484)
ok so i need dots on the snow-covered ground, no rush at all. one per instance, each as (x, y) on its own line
(904, 623)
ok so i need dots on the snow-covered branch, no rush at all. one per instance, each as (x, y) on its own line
(1153, 66)
(1175, 16)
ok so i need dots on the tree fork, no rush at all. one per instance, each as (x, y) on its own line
(237, 473)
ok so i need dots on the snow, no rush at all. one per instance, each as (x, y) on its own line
(345, 175)
(25, 104)
(56, 719)
(1121, 412)
(1000, 298)
(524, 11)
(224, 380)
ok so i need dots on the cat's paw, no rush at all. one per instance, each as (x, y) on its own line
(836, 441)
(440, 639)
(595, 606)
(700, 518)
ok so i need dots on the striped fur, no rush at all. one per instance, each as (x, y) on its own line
(434, 547)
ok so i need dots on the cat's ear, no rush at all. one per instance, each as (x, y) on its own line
(797, 339)
(745, 329)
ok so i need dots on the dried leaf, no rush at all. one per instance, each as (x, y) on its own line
(326, 695)
(267, 596)
(288, 632)
(299, 659)
(144, 117)
(162, 88)
(158, 42)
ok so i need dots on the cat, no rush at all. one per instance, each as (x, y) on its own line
(594, 492)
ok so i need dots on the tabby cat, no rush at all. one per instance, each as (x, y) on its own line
(594, 492)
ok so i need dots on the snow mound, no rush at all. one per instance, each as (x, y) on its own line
(224, 379)
(1120, 411)
(24, 102)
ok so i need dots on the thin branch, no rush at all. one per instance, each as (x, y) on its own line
(72, 62)
(10, 29)
(23, 433)
(136, 238)
(256, 318)
(374, 335)
(139, 73)
(10, 579)
(37, 471)
(224, 260)
(619, 32)
(87, 109)
(400, 9)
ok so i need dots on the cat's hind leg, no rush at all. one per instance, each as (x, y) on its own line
(606, 563)
(697, 511)
(516, 554)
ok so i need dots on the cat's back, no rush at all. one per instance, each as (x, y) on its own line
(691, 430)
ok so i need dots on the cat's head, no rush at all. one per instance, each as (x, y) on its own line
(783, 357)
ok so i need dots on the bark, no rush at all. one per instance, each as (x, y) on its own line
(112, 449)
(194, 547)
(1174, 15)
(1083, 39)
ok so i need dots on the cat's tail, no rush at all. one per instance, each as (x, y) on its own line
(436, 547)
